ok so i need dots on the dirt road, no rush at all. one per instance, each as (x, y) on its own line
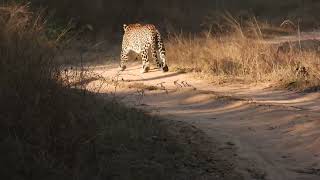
(276, 133)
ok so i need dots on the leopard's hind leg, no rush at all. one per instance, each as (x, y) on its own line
(162, 53)
(124, 58)
(145, 61)
(154, 54)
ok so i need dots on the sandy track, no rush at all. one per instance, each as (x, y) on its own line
(276, 132)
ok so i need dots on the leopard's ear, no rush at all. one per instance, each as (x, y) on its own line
(125, 27)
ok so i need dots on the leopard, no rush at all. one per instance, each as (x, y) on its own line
(143, 40)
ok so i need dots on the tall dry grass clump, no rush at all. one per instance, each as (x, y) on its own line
(245, 55)
(40, 130)
(26, 56)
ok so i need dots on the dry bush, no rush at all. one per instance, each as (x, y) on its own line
(245, 55)
(39, 127)
(27, 69)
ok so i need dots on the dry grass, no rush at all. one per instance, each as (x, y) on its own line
(39, 125)
(244, 55)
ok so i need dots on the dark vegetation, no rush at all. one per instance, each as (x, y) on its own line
(185, 15)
